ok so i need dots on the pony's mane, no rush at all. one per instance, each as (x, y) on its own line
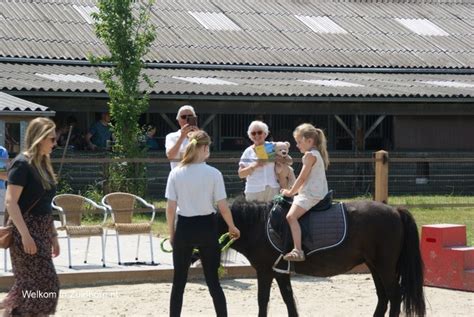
(249, 211)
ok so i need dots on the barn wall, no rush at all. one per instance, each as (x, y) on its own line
(434, 133)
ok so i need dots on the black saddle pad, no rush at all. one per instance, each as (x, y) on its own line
(320, 229)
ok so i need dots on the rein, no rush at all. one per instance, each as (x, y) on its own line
(221, 240)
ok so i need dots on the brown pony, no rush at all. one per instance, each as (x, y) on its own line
(384, 238)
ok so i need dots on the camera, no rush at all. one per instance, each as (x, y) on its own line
(191, 120)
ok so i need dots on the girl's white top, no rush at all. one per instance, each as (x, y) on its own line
(195, 187)
(262, 176)
(316, 185)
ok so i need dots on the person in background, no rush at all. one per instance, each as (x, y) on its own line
(262, 184)
(61, 134)
(99, 133)
(31, 188)
(195, 187)
(176, 142)
(77, 136)
(150, 139)
(311, 184)
(3, 178)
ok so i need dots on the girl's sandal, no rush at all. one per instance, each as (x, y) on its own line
(294, 255)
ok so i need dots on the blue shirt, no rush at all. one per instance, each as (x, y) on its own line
(100, 134)
(3, 164)
(152, 144)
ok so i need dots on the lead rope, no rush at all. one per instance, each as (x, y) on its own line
(221, 240)
(221, 270)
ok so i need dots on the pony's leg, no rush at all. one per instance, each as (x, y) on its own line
(388, 276)
(382, 302)
(393, 291)
(264, 279)
(284, 283)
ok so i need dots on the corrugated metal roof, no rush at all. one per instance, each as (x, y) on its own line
(9, 104)
(22, 77)
(270, 35)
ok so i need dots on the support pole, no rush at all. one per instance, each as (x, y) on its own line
(381, 176)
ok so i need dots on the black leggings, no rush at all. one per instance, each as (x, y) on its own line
(196, 232)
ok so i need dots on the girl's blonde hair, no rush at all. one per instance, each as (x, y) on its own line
(39, 129)
(308, 131)
(197, 139)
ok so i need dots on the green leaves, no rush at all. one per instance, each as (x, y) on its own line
(124, 27)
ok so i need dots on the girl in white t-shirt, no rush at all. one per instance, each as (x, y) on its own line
(311, 184)
(261, 180)
(194, 187)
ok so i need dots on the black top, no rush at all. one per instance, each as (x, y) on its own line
(21, 173)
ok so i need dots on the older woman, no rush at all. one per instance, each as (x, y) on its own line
(262, 182)
(31, 187)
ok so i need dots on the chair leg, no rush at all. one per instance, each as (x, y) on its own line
(69, 251)
(118, 247)
(102, 241)
(105, 244)
(5, 260)
(87, 248)
(138, 247)
(151, 248)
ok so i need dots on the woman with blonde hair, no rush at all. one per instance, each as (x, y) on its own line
(31, 188)
(194, 187)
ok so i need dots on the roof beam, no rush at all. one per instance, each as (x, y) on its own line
(372, 70)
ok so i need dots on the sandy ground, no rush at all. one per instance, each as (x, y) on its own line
(344, 295)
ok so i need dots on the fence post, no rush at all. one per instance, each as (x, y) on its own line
(381, 176)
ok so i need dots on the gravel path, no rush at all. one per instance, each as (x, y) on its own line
(343, 295)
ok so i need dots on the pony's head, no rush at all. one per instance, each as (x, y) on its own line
(250, 218)
(247, 214)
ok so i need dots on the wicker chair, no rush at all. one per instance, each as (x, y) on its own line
(121, 207)
(71, 211)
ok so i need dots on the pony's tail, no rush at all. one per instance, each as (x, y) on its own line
(410, 267)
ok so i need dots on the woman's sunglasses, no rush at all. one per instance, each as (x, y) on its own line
(185, 116)
(254, 133)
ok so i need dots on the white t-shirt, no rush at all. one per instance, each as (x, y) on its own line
(171, 140)
(196, 187)
(316, 185)
(262, 176)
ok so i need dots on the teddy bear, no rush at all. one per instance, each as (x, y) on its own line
(283, 161)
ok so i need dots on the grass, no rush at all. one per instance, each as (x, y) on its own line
(433, 214)
(423, 216)
(463, 216)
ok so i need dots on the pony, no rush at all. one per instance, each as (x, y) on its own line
(383, 237)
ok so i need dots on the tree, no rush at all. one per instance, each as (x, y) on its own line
(125, 28)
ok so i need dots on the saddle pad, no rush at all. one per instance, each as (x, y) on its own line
(320, 230)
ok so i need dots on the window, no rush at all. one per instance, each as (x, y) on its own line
(422, 27)
(329, 82)
(85, 12)
(68, 78)
(206, 80)
(321, 24)
(215, 21)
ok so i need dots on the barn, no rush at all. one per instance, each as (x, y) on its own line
(393, 74)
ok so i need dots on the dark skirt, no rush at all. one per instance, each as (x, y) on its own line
(36, 286)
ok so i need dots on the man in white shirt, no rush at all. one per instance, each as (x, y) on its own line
(176, 142)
